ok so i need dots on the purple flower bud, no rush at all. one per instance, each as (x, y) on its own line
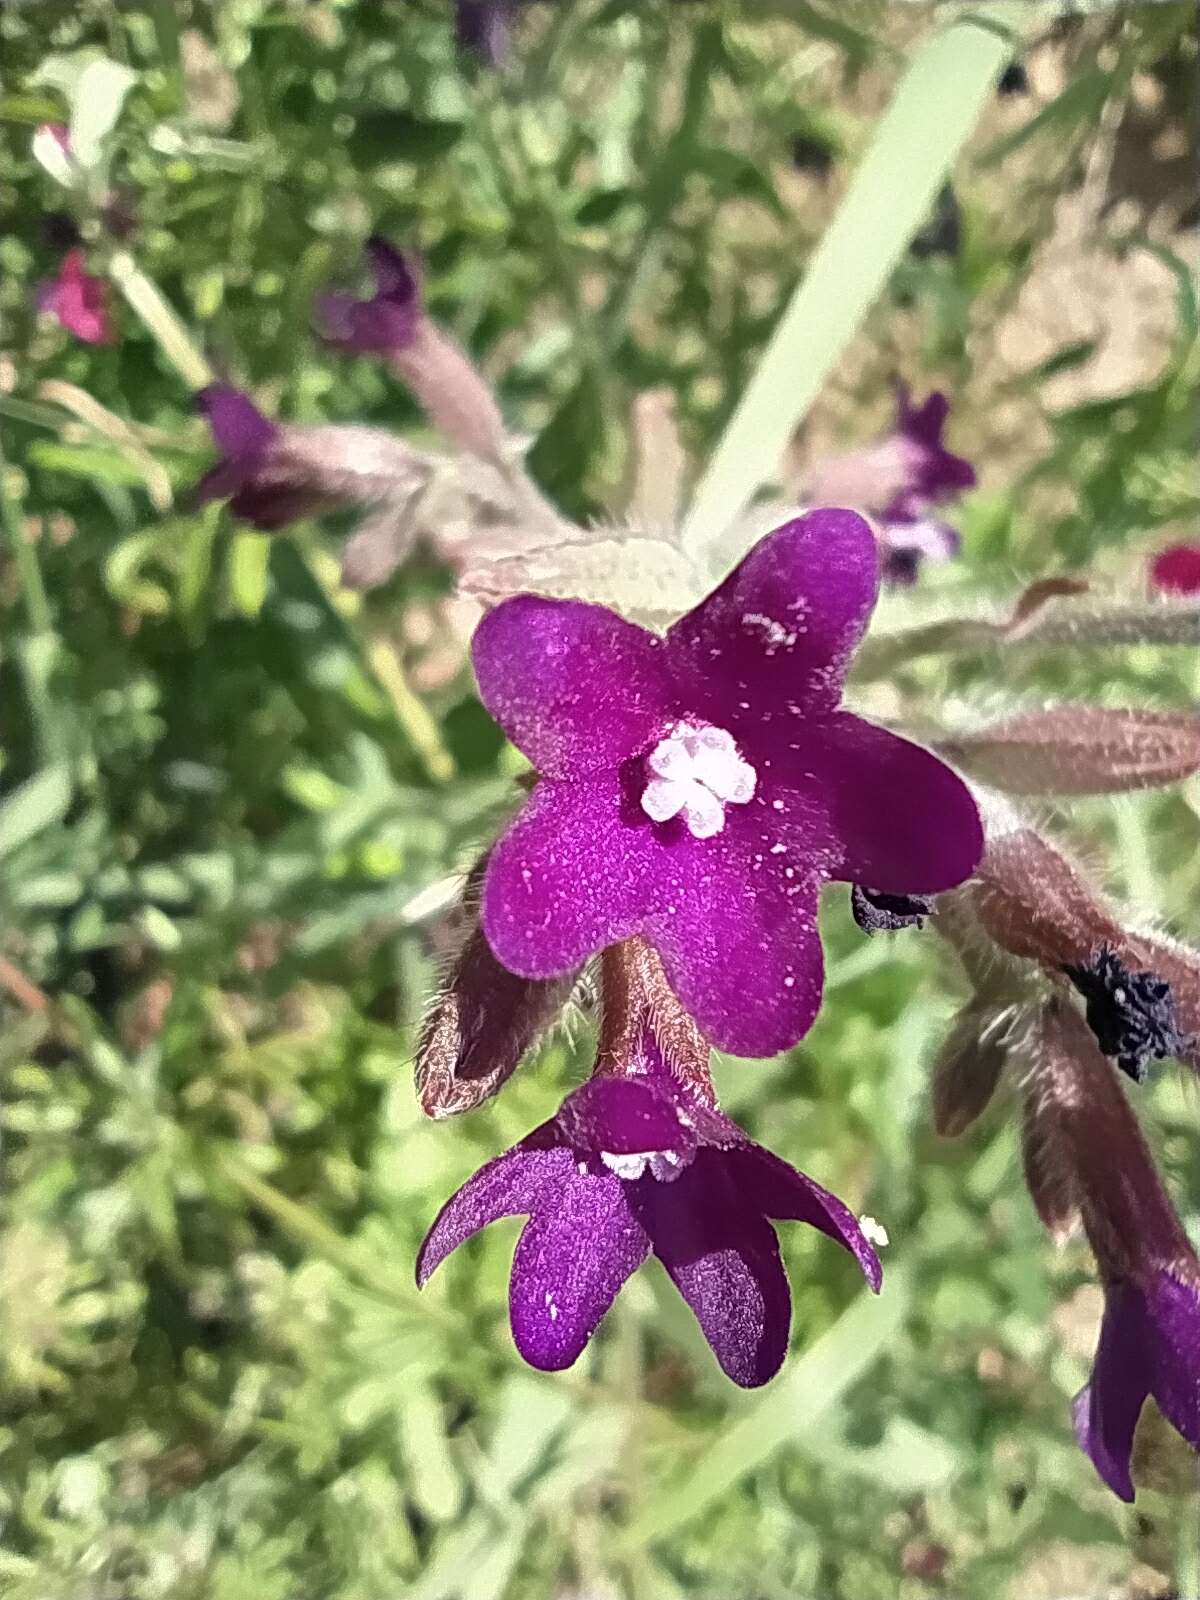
(385, 322)
(698, 788)
(79, 301)
(275, 473)
(393, 324)
(639, 1160)
(1150, 1336)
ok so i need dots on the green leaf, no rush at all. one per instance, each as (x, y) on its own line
(810, 1385)
(934, 109)
(249, 571)
(37, 804)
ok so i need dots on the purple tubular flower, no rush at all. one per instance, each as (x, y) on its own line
(1149, 1347)
(698, 788)
(275, 473)
(79, 300)
(1150, 1335)
(639, 1164)
(386, 322)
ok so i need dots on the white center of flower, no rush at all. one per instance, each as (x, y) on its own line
(665, 1165)
(697, 771)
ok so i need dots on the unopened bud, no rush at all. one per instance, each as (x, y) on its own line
(479, 1028)
(1047, 1174)
(1081, 749)
(968, 1068)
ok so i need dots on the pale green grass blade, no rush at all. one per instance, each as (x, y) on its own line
(811, 1384)
(935, 107)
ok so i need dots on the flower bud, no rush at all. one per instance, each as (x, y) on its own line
(968, 1067)
(1081, 749)
(479, 1028)
(1035, 904)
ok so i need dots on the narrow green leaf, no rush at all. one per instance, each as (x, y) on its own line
(934, 109)
(37, 804)
(249, 571)
(809, 1387)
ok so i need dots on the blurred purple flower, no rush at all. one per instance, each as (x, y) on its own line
(79, 301)
(1176, 570)
(484, 27)
(898, 479)
(275, 473)
(385, 322)
(697, 789)
(637, 1164)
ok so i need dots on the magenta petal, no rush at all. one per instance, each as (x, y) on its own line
(738, 937)
(779, 1191)
(571, 875)
(1106, 1410)
(1176, 570)
(574, 686)
(515, 1183)
(570, 1263)
(624, 1117)
(785, 623)
(1173, 1314)
(907, 822)
(723, 1257)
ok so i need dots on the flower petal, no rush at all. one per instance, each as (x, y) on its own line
(514, 1183)
(1106, 1410)
(1173, 1312)
(573, 685)
(570, 1263)
(786, 621)
(577, 870)
(906, 821)
(738, 934)
(624, 1117)
(781, 1192)
(723, 1257)
(238, 426)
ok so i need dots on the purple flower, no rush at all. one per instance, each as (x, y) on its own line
(635, 1164)
(1088, 1136)
(897, 479)
(274, 473)
(484, 27)
(698, 788)
(1149, 1346)
(386, 322)
(79, 301)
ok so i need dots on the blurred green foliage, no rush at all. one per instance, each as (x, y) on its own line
(216, 1377)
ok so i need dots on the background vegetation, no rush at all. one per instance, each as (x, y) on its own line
(219, 802)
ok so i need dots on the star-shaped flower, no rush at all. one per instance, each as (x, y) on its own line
(698, 788)
(637, 1164)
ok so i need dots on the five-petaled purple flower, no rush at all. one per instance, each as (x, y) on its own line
(79, 300)
(634, 1164)
(698, 788)
(389, 319)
